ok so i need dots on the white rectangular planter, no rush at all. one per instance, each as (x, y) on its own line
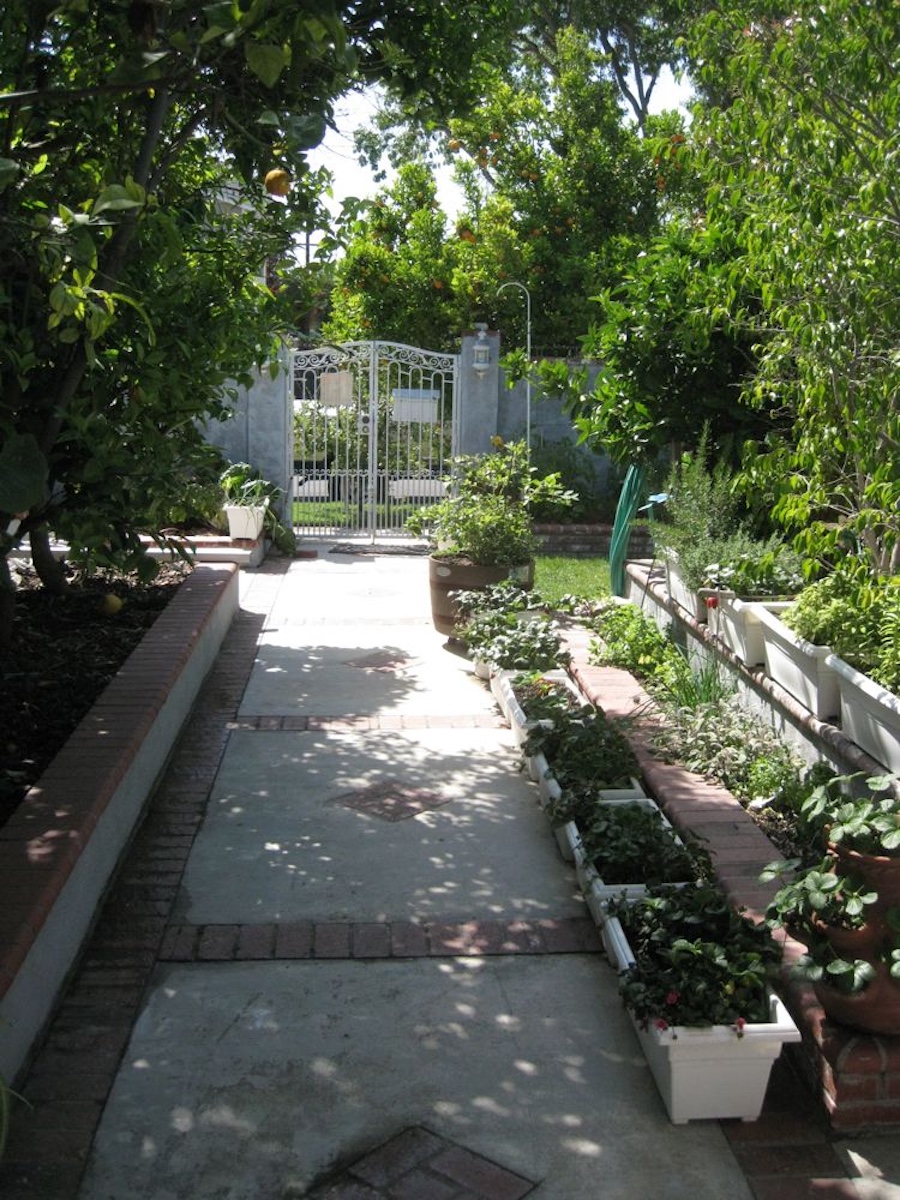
(707, 1073)
(713, 1073)
(597, 891)
(692, 602)
(800, 667)
(736, 622)
(870, 714)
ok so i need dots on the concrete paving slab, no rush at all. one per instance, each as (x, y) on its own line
(280, 843)
(331, 670)
(248, 1081)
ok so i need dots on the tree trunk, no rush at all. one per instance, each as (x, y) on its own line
(51, 571)
(7, 604)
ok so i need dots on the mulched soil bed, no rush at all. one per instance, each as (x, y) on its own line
(64, 651)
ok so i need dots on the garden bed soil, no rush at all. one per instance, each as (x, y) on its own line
(63, 652)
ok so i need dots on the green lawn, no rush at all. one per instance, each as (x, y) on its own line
(561, 575)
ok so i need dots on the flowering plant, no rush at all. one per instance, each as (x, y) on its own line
(697, 960)
(487, 516)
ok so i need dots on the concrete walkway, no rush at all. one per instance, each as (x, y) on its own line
(377, 977)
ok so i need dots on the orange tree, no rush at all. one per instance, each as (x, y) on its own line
(135, 141)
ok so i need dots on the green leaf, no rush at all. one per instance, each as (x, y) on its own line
(23, 473)
(266, 62)
(9, 169)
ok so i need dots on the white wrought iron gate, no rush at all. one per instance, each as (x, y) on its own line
(374, 433)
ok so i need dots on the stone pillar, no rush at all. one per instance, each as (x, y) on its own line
(260, 430)
(477, 416)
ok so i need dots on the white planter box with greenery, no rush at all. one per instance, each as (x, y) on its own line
(692, 602)
(597, 892)
(714, 1073)
(245, 521)
(736, 622)
(870, 714)
(800, 667)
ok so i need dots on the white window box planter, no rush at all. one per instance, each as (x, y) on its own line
(505, 695)
(713, 1073)
(736, 622)
(597, 892)
(870, 714)
(800, 667)
(708, 1073)
(693, 603)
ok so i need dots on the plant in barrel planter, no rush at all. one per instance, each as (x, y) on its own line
(482, 532)
(846, 909)
(695, 978)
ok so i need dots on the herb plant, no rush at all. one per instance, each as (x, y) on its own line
(698, 961)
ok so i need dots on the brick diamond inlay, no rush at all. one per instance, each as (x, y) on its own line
(392, 800)
(419, 1163)
(386, 661)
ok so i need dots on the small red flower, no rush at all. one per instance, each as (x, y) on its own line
(661, 1024)
(739, 1026)
(712, 601)
(672, 997)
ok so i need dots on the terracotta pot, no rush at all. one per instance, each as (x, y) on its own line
(447, 575)
(880, 872)
(864, 942)
(874, 1010)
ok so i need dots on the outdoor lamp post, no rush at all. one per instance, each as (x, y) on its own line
(524, 289)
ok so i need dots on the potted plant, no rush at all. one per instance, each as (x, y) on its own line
(482, 531)
(759, 573)
(250, 506)
(246, 497)
(855, 620)
(624, 847)
(584, 752)
(699, 510)
(696, 979)
(846, 909)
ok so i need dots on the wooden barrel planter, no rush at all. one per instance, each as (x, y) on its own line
(446, 575)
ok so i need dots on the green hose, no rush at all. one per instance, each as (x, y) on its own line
(629, 499)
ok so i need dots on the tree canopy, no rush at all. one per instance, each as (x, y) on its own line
(135, 143)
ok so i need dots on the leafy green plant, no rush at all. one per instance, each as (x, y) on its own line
(507, 642)
(698, 961)
(628, 638)
(487, 518)
(749, 567)
(701, 508)
(243, 485)
(543, 699)
(585, 748)
(631, 843)
(815, 896)
(858, 617)
(868, 823)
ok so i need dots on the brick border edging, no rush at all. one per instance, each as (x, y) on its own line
(61, 847)
(855, 1076)
(295, 941)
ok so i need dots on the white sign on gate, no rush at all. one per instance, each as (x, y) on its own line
(415, 405)
(336, 388)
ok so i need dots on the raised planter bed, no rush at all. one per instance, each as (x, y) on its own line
(870, 714)
(61, 847)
